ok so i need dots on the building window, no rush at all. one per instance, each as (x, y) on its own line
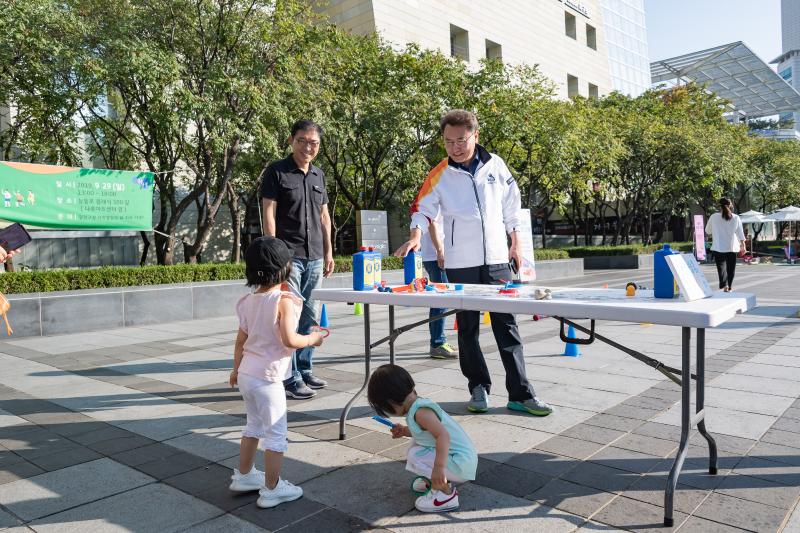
(572, 85)
(570, 25)
(787, 74)
(459, 43)
(591, 37)
(493, 50)
(593, 92)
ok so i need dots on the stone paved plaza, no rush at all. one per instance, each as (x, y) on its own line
(136, 429)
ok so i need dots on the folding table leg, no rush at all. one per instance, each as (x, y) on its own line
(686, 398)
(367, 357)
(391, 332)
(701, 393)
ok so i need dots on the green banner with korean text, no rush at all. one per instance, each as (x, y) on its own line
(58, 197)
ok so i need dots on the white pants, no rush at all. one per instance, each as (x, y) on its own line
(265, 404)
(421, 459)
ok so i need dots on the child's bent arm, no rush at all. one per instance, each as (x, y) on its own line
(287, 325)
(427, 420)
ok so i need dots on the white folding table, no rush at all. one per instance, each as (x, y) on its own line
(567, 305)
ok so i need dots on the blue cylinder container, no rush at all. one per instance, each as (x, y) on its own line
(664, 281)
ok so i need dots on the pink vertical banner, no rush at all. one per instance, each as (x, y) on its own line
(699, 238)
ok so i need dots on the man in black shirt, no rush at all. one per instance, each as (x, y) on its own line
(295, 210)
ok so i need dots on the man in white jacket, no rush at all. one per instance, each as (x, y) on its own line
(479, 202)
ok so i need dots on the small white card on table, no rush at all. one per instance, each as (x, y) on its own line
(691, 280)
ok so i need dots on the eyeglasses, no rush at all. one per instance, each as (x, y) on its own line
(461, 143)
(307, 142)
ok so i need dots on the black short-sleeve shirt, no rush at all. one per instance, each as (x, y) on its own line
(299, 199)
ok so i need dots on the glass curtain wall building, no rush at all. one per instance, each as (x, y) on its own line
(626, 40)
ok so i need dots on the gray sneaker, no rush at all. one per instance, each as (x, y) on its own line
(479, 403)
(533, 406)
(444, 351)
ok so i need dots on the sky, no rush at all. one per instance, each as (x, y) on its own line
(676, 27)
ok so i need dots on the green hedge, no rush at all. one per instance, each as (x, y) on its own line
(628, 249)
(73, 279)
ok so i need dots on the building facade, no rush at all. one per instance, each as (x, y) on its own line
(565, 38)
(626, 41)
(788, 63)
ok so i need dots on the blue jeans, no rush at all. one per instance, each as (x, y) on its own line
(436, 275)
(305, 277)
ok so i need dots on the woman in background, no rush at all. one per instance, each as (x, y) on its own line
(727, 236)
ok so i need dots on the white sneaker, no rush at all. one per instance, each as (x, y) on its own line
(254, 480)
(437, 501)
(283, 492)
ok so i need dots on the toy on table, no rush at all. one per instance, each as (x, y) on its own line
(383, 421)
(543, 294)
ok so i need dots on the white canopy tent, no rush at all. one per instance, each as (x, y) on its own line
(787, 214)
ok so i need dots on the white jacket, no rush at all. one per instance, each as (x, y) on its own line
(477, 211)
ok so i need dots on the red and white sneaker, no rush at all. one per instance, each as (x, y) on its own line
(437, 501)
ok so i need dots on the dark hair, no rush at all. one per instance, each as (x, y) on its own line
(268, 262)
(302, 125)
(459, 117)
(727, 211)
(388, 388)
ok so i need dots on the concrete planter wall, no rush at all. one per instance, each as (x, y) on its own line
(604, 262)
(54, 313)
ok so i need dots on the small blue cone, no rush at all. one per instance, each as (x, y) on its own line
(571, 350)
(323, 317)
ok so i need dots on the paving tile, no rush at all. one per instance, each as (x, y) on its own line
(7, 520)
(172, 465)
(781, 473)
(630, 411)
(120, 444)
(591, 433)
(741, 513)
(579, 449)
(635, 515)
(551, 464)
(145, 454)
(511, 480)
(650, 488)
(372, 442)
(601, 477)
(167, 510)
(787, 424)
(623, 459)
(572, 498)
(330, 521)
(649, 445)
(700, 525)
(483, 509)
(226, 522)
(660, 431)
(760, 490)
(17, 471)
(65, 458)
(367, 484)
(614, 422)
(784, 438)
(776, 452)
(52, 492)
(201, 479)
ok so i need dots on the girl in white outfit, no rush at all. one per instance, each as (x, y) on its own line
(262, 359)
(727, 236)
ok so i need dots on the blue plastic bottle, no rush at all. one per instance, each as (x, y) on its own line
(412, 267)
(377, 259)
(362, 270)
(664, 281)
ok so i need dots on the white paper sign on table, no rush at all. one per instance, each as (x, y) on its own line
(690, 279)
